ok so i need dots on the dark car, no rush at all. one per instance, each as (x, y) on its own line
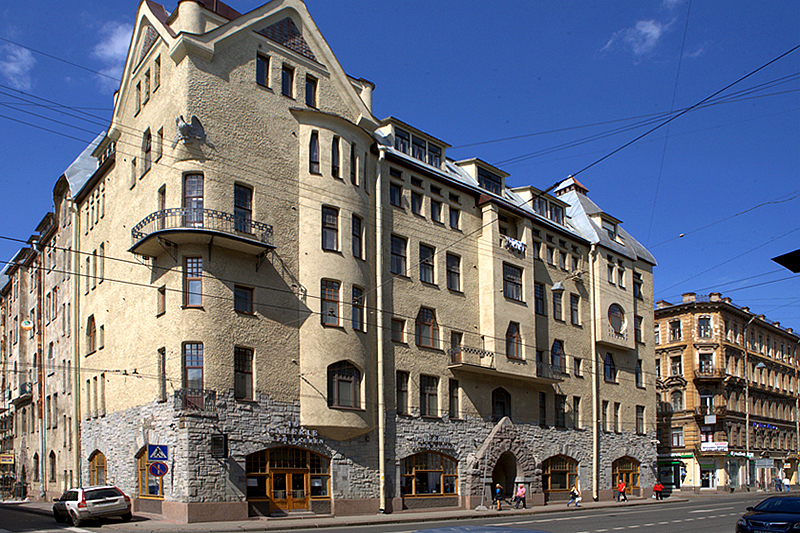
(776, 514)
(87, 503)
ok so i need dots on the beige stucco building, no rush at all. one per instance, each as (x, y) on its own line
(294, 305)
(727, 386)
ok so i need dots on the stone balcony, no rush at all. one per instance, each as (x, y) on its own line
(485, 363)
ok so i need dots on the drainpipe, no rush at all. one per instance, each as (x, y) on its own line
(595, 378)
(76, 386)
(39, 263)
(379, 328)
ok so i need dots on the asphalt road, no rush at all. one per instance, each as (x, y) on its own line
(18, 521)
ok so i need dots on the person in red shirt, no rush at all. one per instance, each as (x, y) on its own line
(621, 491)
(658, 488)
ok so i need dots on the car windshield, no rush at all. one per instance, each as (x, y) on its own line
(101, 494)
(779, 505)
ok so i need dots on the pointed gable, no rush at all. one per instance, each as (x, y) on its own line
(285, 33)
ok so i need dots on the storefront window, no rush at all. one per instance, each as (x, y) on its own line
(428, 473)
(626, 469)
(281, 474)
(559, 473)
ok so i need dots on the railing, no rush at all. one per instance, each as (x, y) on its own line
(196, 400)
(623, 335)
(708, 372)
(547, 371)
(23, 393)
(711, 410)
(470, 356)
(209, 219)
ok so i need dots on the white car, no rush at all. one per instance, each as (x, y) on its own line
(91, 502)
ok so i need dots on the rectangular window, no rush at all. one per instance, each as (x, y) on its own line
(436, 211)
(287, 81)
(138, 98)
(574, 309)
(161, 302)
(675, 331)
(576, 412)
(242, 208)
(242, 299)
(313, 153)
(512, 282)
(640, 419)
(543, 409)
(156, 73)
(193, 200)
(639, 374)
(621, 275)
(402, 392)
(557, 297)
(262, 70)
(637, 328)
(577, 369)
(193, 372)
(453, 272)
(454, 217)
(551, 255)
(418, 148)
(330, 302)
(398, 330)
(401, 140)
(416, 203)
(398, 261)
(426, 254)
(147, 151)
(557, 214)
(617, 423)
(677, 436)
(162, 374)
(358, 309)
(243, 373)
(454, 398)
(675, 366)
(490, 182)
(704, 327)
(193, 282)
(434, 155)
(562, 260)
(538, 298)
(561, 411)
(428, 396)
(330, 228)
(657, 334)
(353, 165)
(637, 286)
(358, 239)
(159, 149)
(311, 91)
(426, 329)
(396, 194)
(604, 415)
(335, 157)
(611, 269)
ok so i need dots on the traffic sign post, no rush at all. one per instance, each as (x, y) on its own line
(158, 469)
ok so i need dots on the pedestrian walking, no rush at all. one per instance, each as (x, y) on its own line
(786, 484)
(658, 490)
(520, 497)
(778, 485)
(574, 496)
(621, 491)
(498, 495)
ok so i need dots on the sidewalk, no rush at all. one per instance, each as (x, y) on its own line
(143, 523)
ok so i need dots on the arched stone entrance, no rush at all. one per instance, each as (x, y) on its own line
(505, 473)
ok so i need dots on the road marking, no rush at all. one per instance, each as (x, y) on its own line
(648, 525)
(78, 530)
(619, 528)
(711, 510)
(634, 526)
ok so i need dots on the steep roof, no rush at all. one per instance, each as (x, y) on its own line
(80, 170)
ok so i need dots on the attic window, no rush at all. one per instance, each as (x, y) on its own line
(611, 229)
(557, 214)
(401, 140)
(490, 182)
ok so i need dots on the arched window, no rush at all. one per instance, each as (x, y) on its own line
(52, 466)
(36, 467)
(150, 486)
(513, 341)
(557, 356)
(91, 335)
(626, 469)
(427, 330)
(428, 473)
(616, 317)
(344, 385)
(610, 368)
(677, 401)
(97, 469)
(313, 153)
(559, 473)
(501, 404)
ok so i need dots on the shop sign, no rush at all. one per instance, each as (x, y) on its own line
(676, 454)
(293, 434)
(714, 446)
(6, 458)
(710, 419)
(741, 454)
(765, 463)
(431, 441)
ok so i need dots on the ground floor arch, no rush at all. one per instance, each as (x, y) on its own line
(626, 469)
(505, 473)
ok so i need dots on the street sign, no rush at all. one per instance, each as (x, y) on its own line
(6, 458)
(157, 452)
(158, 469)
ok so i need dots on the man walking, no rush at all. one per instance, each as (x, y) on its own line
(621, 491)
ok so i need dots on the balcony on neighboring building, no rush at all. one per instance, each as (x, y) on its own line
(705, 410)
(482, 362)
(709, 373)
(22, 395)
(183, 225)
(200, 400)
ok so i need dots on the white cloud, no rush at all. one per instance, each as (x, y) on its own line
(15, 66)
(642, 39)
(112, 51)
(672, 4)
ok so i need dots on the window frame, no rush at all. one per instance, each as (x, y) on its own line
(247, 292)
(242, 373)
(513, 341)
(512, 287)
(428, 396)
(330, 228)
(311, 91)
(398, 261)
(313, 153)
(609, 368)
(427, 271)
(426, 329)
(287, 81)
(193, 281)
(336, 157)
(357, 316)
(453, 262)
(339, 373)
(330, 292)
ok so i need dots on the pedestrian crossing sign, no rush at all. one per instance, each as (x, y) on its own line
(157, 452)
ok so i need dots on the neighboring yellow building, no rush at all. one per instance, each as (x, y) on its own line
(727, 384)
(295, 306)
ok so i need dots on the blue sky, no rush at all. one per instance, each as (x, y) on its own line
(541, 89)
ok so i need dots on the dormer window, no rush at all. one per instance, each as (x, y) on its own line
(434, 155)
(401, 141)
(540, 206)
(490, 182)
(418, 148)
(611, 229)
(557, 214)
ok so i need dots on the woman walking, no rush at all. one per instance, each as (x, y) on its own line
(574, 496)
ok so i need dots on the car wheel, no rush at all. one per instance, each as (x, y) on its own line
(127, 517)
(57, 516)
(76, 520)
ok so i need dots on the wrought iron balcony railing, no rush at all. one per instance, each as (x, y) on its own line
(196, 400)
(548, 371)
(189, 218)
(708, 372)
